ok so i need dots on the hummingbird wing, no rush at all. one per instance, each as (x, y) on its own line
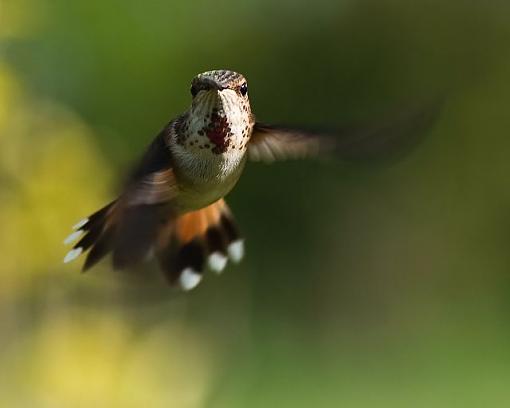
(129, 225)
(387, 137)
(145, 204)
(269, 143)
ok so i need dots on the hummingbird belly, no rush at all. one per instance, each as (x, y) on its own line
(202, 182)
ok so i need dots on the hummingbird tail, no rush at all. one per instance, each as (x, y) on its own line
(96, 234)
(204, 238)
(184, 246)
(128, 232)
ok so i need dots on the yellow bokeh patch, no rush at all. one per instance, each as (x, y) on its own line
(49, 173)
(90, 359)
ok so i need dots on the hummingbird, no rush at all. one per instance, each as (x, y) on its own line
(172, 206)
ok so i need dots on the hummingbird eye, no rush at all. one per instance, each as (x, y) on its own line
(243, 89)
(193, 91)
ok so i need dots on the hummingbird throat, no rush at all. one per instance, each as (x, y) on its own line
(218, 132)
(218, 122)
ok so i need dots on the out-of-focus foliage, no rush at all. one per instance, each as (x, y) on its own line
(364, 285)
(46, 157)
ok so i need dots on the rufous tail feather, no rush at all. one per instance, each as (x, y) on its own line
(206, 238)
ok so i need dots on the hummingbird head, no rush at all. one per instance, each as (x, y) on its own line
(220, 118)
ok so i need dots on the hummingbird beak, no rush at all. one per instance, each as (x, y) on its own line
(208, 100)
(210, 84)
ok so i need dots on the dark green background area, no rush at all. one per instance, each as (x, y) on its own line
(365, 284)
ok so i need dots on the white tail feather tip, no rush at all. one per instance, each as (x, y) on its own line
(189, 279)
(236, 250)
(73, 254)
(73, 237)
(217, 262)
(80, 224)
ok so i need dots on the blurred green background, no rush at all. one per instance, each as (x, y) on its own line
(363, 286)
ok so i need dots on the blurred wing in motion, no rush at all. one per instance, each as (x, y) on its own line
(270, 143)
(130, 225)
(386, 138)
